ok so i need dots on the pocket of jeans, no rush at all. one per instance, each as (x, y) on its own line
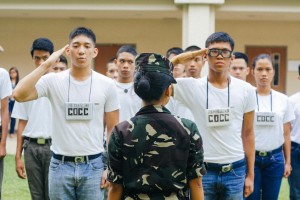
(97, 164)
(239, 172)
(54, 164)
(25, 144)
(278, 158)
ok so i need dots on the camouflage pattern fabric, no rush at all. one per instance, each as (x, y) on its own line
(154, 155)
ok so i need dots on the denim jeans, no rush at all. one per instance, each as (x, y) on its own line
(70, 180)
(228, 186)
(294, 178)
(268, 176)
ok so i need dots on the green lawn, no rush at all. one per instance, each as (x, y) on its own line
(15, 188)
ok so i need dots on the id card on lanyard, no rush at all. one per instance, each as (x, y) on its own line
(79, 111)
(218, 117)
(265, 118)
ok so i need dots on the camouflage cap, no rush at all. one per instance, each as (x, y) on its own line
(152, 62)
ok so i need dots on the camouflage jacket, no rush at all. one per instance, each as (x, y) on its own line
(155, 154)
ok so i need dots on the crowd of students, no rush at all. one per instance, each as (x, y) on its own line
(151, 129)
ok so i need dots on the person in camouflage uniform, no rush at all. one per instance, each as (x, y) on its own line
(155, 155)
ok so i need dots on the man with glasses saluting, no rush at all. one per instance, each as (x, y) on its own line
(223, 107)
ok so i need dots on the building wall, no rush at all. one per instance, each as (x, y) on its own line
(154, 35)
(17, 35)
(268, 33)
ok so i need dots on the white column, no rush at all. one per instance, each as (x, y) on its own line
(198, 22)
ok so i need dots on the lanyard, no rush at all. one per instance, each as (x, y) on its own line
(270, 101)
(90, 87)
(228, 95)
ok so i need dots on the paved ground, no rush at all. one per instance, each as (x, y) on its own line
(11, 144)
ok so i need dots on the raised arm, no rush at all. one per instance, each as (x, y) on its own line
(25, 90)
(187, 56)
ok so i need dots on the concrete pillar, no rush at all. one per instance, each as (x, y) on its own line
(198, 22)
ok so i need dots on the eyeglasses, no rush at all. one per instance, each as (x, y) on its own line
(216, 52)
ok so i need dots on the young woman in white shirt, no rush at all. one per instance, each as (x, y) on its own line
(272, 132)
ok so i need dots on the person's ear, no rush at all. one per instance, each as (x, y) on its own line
(248, 70)
(168, 91)
(68, 51)
(95, 52)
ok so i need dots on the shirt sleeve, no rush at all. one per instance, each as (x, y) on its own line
(5, 86)
(42, 86)
(250, 104)
(289, 114)
(183, 89)
(115, 159)
(112, 102)
(195, 167)
(20, 111)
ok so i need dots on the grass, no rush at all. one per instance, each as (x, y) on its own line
(14, 188)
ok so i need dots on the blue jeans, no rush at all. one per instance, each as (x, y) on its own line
(70, 180)
(227, 186)
(294, 178)
(268, 176)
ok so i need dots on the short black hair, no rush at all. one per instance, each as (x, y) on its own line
(192, 48)
(63, 59)
(43, 44)
(219, 37)
(240, 55)
(262, 56)
(83, 31)
(128, 49)
(174, 50)
(299, 70)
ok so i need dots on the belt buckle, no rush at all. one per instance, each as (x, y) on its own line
(226, 168)
(41, 141)
(262, 153)
(79, 159)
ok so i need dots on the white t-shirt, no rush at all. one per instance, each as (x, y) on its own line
(221, 144)
(179, 109)
(5, 85)
(38, 114)
(78, 137)
(130, 102)
(295, 132)
(268, 138)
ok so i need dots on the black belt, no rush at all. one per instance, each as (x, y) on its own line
(38, 140)
(225, 167)
(295, 145)
(76, 159)
(268, 153)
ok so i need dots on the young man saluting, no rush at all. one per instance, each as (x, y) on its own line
(223, 107)
(81, 100)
